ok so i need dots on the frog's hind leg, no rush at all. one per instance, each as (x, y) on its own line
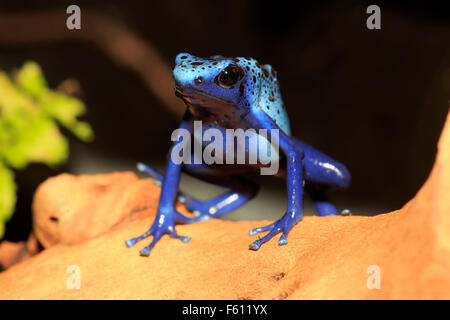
(321, 202)
(241, 191)
(323, 175)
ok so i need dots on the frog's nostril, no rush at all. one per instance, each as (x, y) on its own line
(198, 80)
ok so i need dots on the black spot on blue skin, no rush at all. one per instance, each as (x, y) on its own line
(198, 80)
(241, 90)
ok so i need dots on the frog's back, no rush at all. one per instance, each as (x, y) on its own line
(270, 99)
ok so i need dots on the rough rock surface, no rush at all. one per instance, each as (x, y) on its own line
(70, 209)
(326, 258)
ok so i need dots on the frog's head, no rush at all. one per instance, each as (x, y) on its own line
(219, 85)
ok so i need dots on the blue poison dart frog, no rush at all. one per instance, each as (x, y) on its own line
(236, 93)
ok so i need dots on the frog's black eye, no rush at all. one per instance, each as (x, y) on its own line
(229, 76)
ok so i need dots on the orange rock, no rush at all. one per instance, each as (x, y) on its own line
(13, 252)
(10, 252)
(70, 209)
(326, 258)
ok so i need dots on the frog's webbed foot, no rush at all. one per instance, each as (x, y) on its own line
(162, 225)
(283, 226)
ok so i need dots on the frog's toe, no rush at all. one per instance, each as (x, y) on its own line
(181, 198)
(131, 242)
(255, 245)
(157, 177)
(283, 225)
(198, 208)
(174, 235)
(283, 240)
(162, 225)
(146, 251)
(254, 231)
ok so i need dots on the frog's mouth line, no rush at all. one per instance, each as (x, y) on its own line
(187, 98)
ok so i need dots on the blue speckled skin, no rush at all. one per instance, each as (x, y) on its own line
(239, 93)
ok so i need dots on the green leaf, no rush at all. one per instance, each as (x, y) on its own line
(7, 196)
(29, 116)
(65, 109)
(31, 79)
(36, 138)
(27, 132)
(12, 100)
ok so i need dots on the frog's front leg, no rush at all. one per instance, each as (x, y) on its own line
(294, 165)
(166, 215)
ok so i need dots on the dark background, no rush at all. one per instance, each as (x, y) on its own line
(375, 100)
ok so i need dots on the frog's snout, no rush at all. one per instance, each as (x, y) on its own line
(180, 57)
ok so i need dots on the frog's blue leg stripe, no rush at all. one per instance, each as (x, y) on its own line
(242, 192)
(294, 164)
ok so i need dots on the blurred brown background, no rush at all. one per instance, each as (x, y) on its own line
(375, 100)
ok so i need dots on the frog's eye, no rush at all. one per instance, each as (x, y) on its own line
(229, 76)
